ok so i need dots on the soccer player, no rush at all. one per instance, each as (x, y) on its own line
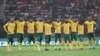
(66, 30)
(81, 33)
(39, 32)
(30, 29)
(9, 27)
(91, 27)
(47, 30)
(57, 27)
(20, 31)
(74, 23)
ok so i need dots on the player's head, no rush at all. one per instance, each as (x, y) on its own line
(81, 22)
(12, 19)
(75, 20)
(58, 20)
(30, 19)
(66, 20)
(90, 19)
(38, 19)
(48, 20)
(43, 20)
(21, 19)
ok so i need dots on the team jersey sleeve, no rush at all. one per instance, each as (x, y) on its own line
(94, 25)
(94, 22)
(5, 26)
(62, 25)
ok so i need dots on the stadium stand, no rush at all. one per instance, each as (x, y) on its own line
(52, 8)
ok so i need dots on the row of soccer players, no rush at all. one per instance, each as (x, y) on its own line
(70, 28)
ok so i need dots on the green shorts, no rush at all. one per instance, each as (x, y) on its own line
(67, 38)
(91, 36)
(81, 36)
(31, 38)
(74, 36)
(57, 37)
(20, 37)
(10, 38)
(39, 37)
(47, 38)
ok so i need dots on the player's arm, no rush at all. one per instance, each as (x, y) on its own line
(16, 22)
(44, 27)
(95, 24)
(70, 28)
(53, 24)
(5, 27)
(62, 25)
(26, 25)
(15, 29)
(35, 26)
(77, 26)
(85, 25)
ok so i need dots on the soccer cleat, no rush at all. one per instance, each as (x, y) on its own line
(55, 49)
(59, 49)
(46, 49)
(81, 48)
(93, 48)
(90, 48)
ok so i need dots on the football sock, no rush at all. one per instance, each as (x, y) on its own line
(20, 46)
(38, 46)
(70, 46)
(81, 44)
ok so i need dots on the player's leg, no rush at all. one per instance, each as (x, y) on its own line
(41, 37)
(90, 40)
(47, 40)
(56, 35)
(59, 38)
(65, 40)
(33, 40)
(93, 40)
(81, 41)
(10, 42)
(20, 39)
(69, 41)
(72, 39)
(75, 38)
(38, 41)
(29, 39)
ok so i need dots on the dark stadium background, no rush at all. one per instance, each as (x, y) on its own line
(49, 9)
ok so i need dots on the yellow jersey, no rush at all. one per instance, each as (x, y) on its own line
(47, 27)
(39, 26)
(90, 26)
(80, 29)
(74, 26)
(57, 26)
(9, 27)
(30, 27)
(20, 26)
(66, 28)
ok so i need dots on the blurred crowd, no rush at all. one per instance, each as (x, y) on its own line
(1, 2)
(52, 8)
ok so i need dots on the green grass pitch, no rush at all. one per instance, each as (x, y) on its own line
(26, 51)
